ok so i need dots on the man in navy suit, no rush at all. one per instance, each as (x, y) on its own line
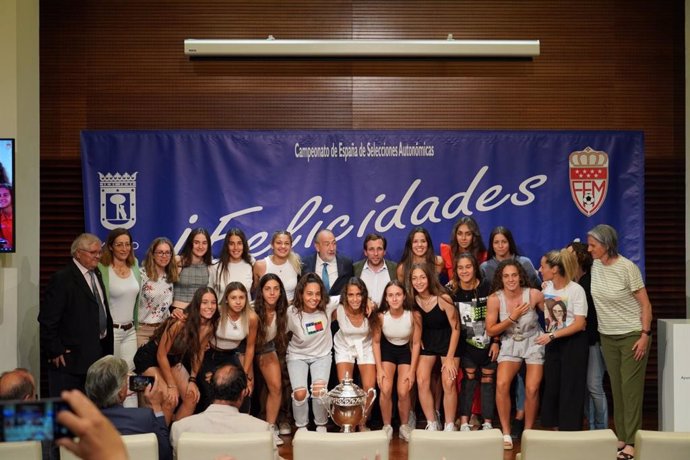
(75, 323)
(107, 386)
(333, 268)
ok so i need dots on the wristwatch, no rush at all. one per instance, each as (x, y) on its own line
(551, 336)
(648, 333)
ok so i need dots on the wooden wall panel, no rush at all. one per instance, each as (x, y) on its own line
(614, 64)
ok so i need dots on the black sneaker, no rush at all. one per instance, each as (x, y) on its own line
(517, 429)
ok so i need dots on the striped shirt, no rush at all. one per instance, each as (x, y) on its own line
(618, 311)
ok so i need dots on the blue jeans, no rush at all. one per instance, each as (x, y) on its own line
(520, 393)
(597, 406)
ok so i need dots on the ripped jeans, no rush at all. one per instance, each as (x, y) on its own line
(299, 370)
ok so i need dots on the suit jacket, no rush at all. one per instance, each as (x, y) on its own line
(141, 420)
(68, 319)
(359, 266)
(345, 271)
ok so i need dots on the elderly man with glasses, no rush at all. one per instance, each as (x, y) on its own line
(75, 322)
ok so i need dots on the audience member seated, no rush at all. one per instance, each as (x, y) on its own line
(229, 388)
(17, 384)
(107, 386)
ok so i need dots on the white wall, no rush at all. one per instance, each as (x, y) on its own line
(19, 118)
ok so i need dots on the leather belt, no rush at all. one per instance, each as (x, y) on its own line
(124, 327)
(150, 324)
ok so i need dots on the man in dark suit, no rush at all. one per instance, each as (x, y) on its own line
(375, 270)
(107, 385)
(333, 268)
(75, 323)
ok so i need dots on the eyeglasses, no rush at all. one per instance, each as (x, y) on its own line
(96, 253)
(122, 244)
(163, 253)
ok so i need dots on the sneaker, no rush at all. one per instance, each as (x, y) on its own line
(474, 420)
(405, 432)
(301, 429)
(450, 426)
(412, 420)
(276, 439)
(389, 431)
(431, 425)
(284, 429)
(321, 429)
(487, 426)
(465, 427)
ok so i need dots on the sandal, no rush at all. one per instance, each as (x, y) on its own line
(508, 442)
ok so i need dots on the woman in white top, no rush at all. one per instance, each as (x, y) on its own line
(284, 262)
(309, 349)
(158, 273)
(122, 281)
(271, 308)
(352, 342)
(511, 315)
(625, 326)
(396, 343)
(567, 348)
(234, 263)
(234, 340)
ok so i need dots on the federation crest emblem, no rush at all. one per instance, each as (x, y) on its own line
(118, 200)
(589, 179)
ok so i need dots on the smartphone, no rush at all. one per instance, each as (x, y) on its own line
(139, 382)
(32, 420)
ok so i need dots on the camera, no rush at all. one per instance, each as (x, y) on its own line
(32, 420)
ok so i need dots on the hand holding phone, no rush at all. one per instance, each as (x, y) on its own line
(140, 382)
(29, 420)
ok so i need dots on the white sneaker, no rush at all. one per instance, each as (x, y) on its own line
(450, 426)
(412, 420)
(284, 429)
(465, 427)
(389, 431)
(431, 425)
(405, 432)
(321, 429)
(277, 440)
(487, 426)
(301, 429)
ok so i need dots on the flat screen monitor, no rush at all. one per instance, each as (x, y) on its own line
(7, 229)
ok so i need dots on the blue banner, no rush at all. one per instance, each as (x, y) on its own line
(548, 187)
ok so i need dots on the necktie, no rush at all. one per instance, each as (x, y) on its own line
(102, 320)
(324, 277)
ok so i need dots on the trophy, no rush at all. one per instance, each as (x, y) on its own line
(347, 404)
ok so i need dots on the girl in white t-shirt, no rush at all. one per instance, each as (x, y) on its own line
(567, 348)
(309, 349)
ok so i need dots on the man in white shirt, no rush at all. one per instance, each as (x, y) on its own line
(374, 269)
(229, 388)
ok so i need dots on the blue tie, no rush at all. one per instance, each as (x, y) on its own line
(324, 277)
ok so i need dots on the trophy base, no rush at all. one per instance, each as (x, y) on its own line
(347, 429)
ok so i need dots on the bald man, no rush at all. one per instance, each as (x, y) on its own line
(17, 384)
(333, 269)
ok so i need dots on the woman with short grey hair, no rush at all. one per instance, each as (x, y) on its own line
(625, 320)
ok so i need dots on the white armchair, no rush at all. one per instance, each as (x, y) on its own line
(662, 445)
(310, 445)
(242, 446)
(435, 445)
